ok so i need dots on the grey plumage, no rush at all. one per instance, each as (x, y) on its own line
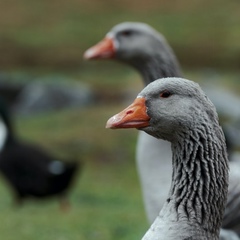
(142, 47)
(196, 200)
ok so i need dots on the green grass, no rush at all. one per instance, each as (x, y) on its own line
(105, 200)
(100, 208)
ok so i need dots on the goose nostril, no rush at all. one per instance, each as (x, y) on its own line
(129, 112)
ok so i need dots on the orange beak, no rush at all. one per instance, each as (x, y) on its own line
(103, 49)
(134, 116)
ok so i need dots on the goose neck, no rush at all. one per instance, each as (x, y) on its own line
(156, 67)
(200, 179)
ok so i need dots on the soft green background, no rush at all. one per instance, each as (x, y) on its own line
(47, 38)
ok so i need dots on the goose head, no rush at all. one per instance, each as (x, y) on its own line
(139, 45)
(166, 109)
(127, 41)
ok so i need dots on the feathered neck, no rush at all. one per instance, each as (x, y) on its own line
(157, 66)
(200, 178)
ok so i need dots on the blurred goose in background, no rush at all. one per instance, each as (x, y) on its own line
(145, 49)
(177, 110)
(30, 171)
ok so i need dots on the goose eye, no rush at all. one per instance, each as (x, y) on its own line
(165, 94)
(126, 33)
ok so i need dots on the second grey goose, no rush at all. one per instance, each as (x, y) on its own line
(142, 47)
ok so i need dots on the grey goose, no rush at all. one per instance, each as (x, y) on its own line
(177, 110)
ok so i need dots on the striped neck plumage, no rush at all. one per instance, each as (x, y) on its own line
(200, 177)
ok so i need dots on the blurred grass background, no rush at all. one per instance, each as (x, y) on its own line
(48, 38)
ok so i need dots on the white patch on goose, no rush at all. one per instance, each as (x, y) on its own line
(3, 134)
(115, 42)
(110, 35)
(56, 167)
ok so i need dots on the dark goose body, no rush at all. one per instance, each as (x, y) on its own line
(30, 171)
